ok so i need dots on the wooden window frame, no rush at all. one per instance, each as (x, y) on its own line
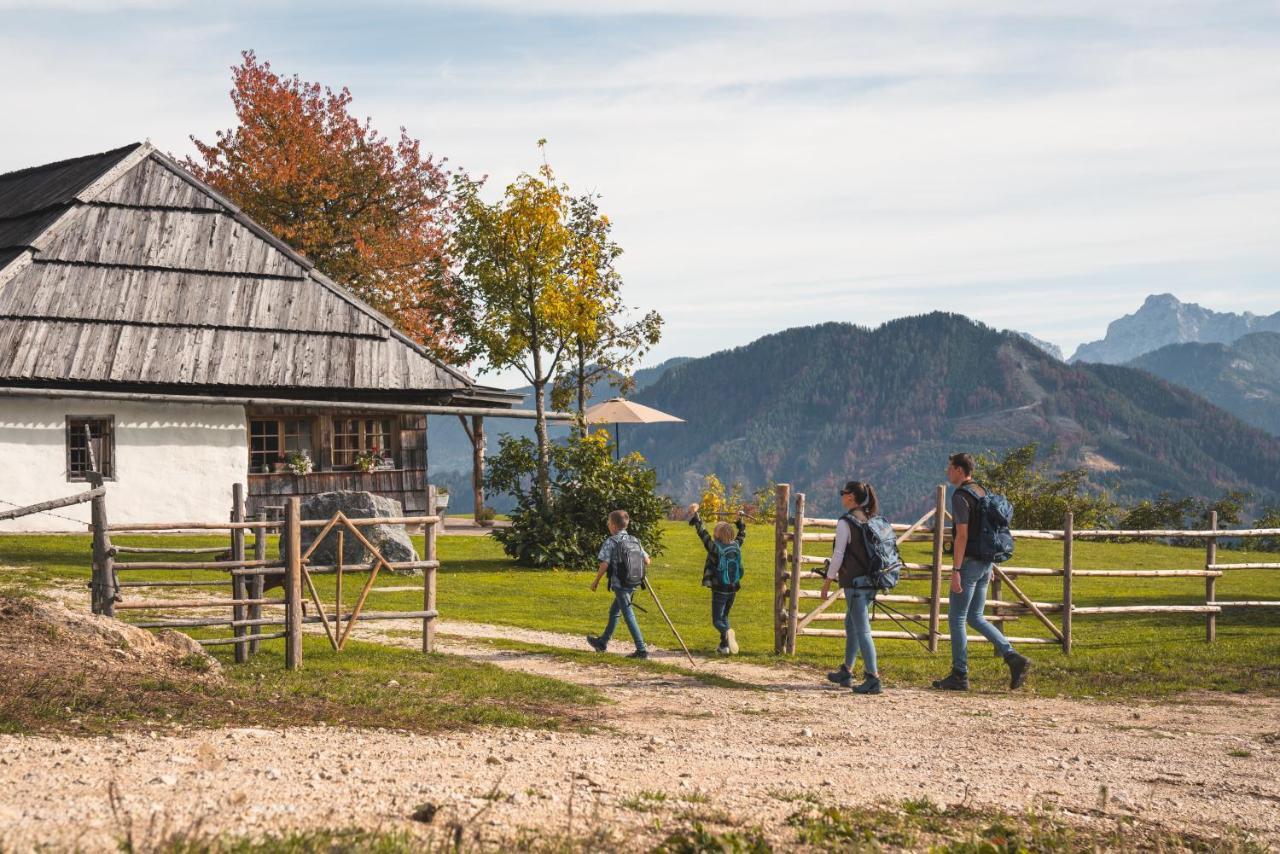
(109, 442)
(390, 448)
(310, 431)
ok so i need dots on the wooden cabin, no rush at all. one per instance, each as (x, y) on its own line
(151, 328)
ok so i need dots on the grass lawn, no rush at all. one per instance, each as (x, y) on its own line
(1115, 655)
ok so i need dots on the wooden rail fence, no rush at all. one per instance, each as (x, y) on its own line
(247, 577)
(792, 567)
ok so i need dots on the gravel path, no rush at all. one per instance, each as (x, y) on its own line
(666, 746)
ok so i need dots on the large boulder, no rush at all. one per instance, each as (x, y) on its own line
(391, 540)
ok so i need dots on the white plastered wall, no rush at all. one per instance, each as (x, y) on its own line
(175, 462)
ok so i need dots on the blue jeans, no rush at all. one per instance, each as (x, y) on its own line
(622, 606)
(721, 602)
(857, 628)
(968, 607)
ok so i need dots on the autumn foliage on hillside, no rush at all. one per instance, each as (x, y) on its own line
(370, 213)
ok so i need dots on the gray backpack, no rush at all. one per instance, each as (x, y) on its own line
(627, 564)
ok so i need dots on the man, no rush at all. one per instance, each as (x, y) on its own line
(970, 576)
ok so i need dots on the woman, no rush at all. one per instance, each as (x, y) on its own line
(850, 568)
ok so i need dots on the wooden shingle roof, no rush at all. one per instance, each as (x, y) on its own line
(122, 269)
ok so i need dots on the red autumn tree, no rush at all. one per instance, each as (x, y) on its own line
(371, 214)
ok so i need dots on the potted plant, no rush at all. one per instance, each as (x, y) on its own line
(299, 462)
(280, 465)
(367, 460)
(442, 498)
(485, 516)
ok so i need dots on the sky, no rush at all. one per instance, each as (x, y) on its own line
(1040, 166)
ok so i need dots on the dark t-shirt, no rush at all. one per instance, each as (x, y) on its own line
(962, 505)
(962, 502)
(855, 562)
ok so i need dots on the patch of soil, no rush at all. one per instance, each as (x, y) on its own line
(65, 670)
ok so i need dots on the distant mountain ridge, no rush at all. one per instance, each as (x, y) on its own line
(1163, 319)
(816, 405)
(1243, 378)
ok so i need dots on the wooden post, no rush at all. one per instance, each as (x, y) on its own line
(797, 546)
(337, 596)
(782, 500)
(256, 581)
(935, 581)
(293, 583)
(429, 577)
(238, 612)
(477, 464)
(1210, 581)
(1068, 564)
(103, 583)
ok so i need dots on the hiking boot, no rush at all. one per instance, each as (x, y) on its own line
(731, 641)
(597, 644)
(1018, 667)
(639, 653)
(870, 685)
(953, 682)
(841, 677)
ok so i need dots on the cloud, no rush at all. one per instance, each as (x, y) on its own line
(1040, 166)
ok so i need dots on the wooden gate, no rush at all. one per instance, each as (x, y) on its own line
(247, 577)
(793, 529)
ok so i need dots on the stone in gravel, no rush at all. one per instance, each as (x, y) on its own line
(272, 774)
(164, 780)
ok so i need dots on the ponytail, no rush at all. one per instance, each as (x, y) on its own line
(865, 495)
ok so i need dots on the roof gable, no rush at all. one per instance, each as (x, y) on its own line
(124, 268)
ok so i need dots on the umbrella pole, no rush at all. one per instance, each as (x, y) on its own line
(617, 443)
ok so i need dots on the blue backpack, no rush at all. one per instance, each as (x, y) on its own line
(990, 520)
(729, 567)
(884, 564)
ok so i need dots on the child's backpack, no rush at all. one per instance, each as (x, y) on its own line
(990, 518)
(628, 562)
(884, 564)
(729, 566)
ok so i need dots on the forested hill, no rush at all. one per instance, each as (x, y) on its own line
(816, 405)
(1243, 378)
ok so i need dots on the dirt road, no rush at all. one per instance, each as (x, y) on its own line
(666, 746)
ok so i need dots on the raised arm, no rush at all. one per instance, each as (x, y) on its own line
(742, 528)
(696, 521)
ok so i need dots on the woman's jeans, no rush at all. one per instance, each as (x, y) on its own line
(857, 628)
(967, 607)
(721, 602)
(622, 606)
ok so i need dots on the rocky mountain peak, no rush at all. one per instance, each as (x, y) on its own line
(1162, 320)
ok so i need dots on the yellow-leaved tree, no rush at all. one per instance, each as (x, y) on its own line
(527, 284)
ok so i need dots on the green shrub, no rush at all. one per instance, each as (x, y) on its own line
(586, 485)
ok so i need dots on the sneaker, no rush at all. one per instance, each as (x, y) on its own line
(731, 641)
(639, 653)
(870, 685)
(953, 682)
(723, 649)
(1018, 667)
(841, 677)
(597, 644)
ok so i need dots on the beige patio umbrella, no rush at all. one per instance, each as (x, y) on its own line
(619, 410)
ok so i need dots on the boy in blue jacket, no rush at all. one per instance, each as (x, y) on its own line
(722, 572)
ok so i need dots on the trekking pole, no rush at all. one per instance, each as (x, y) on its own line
(663, 611)
(889, 612)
